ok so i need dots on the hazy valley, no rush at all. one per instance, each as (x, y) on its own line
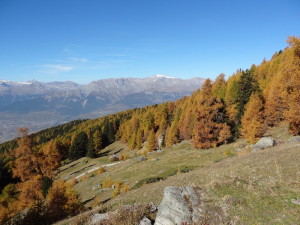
(39, 105)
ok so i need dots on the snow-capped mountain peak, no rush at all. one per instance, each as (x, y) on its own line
(162, 76)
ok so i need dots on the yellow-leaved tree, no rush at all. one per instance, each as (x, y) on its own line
(293, 114)
(253, 125)
(62, 200)
(211, 127)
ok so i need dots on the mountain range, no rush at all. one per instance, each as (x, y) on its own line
(38, 105)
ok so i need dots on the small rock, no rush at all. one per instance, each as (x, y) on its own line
(230, 200)
(294, 139)
(152, 207)
(141, 158)
(264, 142)
(97, 218)
(145, 221)
(159, 151)
(95, 187)
(154, 160)
(296, 201)
(114, 158)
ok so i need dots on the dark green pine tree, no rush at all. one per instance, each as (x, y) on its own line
(91, 148)
(79, 146)
(108, 133)
(246, 86)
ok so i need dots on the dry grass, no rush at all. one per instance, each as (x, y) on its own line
(263, 182)
(128, 215)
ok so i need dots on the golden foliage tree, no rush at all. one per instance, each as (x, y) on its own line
(219, 87)
(26, 164)
(151, 142)
(210, 120)
(275, 106)
(98, 141)
(253, 125)
(31, 193)
(62, 200)
(293, 114)
(49, 158)
(172, 135)
(225, 133)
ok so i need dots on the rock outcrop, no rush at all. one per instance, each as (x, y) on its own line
(180, 205)
(188, 205)
(265, 142)
(294, 139)
(99, 217)
(145, 221)
(141, 158)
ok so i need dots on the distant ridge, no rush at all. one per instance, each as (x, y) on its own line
(39, 105)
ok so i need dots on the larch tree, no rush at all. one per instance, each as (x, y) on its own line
(231, 96)
(98, 141)
(253, 122)
(219, 87)
(62, 200)
(26, 163)
(139, 139)
(151, 142)
(172, 135)
(50, 158)
(275, 106)
(293, 114)
(247, 84)
(210, 119)
(225, 134)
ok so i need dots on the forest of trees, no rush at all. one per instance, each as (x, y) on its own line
(244, 105)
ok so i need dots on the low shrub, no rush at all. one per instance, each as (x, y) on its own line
(162, 176)
(107, 183)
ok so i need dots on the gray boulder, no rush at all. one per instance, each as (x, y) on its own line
(101, 217)
(145, 221)
(114, 158)
(294, 139)
(152, 207)
(180, 205)
(265, 142)
(141, 158)
(95, 187)
(296, 201)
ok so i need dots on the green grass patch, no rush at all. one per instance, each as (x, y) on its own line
(164, 175)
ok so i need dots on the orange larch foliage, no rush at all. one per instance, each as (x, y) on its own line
(50, 158)
(293, 114)
(62, 200)
(253, 125)
(151, 142)
(26, 164)
(31, 192)
(210, 120)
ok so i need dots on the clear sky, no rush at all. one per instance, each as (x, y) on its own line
(85, 40)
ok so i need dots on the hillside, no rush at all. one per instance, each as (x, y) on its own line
(39, 105)
(260, 184)
(204, 140)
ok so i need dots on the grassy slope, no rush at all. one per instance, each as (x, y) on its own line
(262, 183)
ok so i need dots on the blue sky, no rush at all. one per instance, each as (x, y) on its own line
(85, 40)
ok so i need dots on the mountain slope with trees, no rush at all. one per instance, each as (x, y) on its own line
(222, 111)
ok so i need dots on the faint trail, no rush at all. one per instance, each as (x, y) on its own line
(95, 168)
